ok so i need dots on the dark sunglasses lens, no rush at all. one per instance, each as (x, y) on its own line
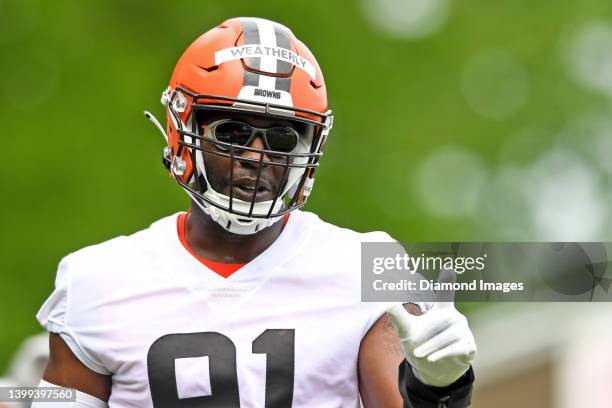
(282, 139)
(233, 132)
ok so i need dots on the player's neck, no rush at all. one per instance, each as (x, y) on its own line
(210, 241)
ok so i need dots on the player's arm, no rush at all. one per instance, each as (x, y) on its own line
(65, 370)
(439, 347)
(380, 356)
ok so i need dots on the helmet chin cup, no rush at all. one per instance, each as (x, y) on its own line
(236, 224)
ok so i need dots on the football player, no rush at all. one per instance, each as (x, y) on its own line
(245, 300)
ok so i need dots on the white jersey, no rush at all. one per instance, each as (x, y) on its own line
(282, 331)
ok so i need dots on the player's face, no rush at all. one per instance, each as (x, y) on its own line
(219, 170)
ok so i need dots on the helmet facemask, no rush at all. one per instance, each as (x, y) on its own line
(233, 214)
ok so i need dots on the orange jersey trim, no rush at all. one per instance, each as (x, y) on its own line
(222, 269)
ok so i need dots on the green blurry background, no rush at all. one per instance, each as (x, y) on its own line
(455, 120)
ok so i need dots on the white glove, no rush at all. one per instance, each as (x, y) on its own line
(439, 344)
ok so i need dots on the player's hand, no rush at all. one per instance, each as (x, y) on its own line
(439, 344)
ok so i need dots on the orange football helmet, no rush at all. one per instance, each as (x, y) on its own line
(255, 66)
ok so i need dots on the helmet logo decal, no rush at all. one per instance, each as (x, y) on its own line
(258, 51)
(267, 93)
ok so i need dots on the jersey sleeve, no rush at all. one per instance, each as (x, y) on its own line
(54, 316)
